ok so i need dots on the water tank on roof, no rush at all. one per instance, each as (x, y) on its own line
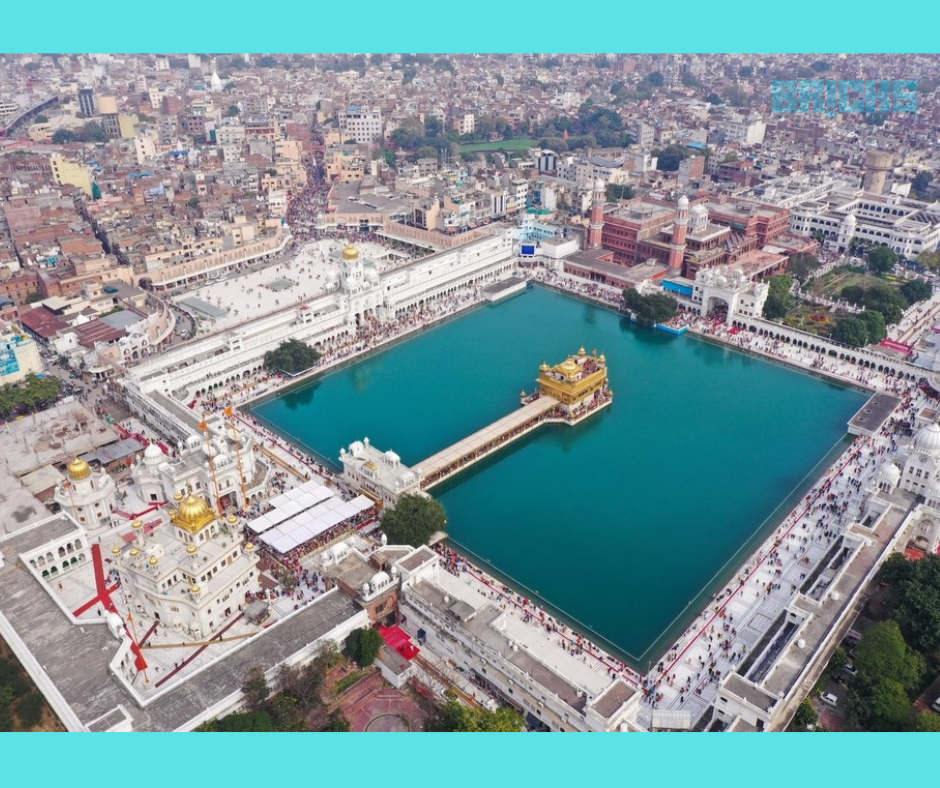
(110, 289)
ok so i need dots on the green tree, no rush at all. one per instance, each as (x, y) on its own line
(851, 331)
(650, 309)
(929, 259)
(256, 689)
(291, 357)
(854, 294)
(363, 645)
(240, 722)
(713, 98)
(803, 265)
(414, 520)
(63, 137)
(926, 722)
(337, 723)
(881, 259)
(779, 300)
(29, 710)
(882, 654)
(887, 300)
(916, 290)
(670, 157)
(916, 591)
(821, 66)
(41, 118)
(232, 111)
(656, 79)
(619, 191)
(804, 719)
(875, 325)
(889, 706)
(921, 180)
(746, 72)
(267, 61)
(6, 711)
(454, 716)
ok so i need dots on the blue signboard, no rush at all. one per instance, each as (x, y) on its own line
(8, 362)
(528, 250)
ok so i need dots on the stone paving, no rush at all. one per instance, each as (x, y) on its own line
(248, 295)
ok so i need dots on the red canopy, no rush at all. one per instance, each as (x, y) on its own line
(399, 640)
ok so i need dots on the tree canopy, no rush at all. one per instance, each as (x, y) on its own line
(851, 331)
(414, 520)
(881, 259)
(650, 309)
(916, 290)
(670, 157)
(455, 717)
(882, 653)
(779, 300)
(363, 645)
(30, 394)
(915, 588)
(291, 357)
(803, 265)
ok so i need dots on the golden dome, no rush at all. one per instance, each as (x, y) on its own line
(178, 497)
(249, 547)
(602, 359)
(193, 514)
(191, 549)
(134, 552)
(582, 351)
(137, 525)
(115, 550)
(79, 469)
(544, 368)
(154, 560)
(232, 519)
(350, 252)
(195, 589)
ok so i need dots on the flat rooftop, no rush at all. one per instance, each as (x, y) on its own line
(76, 657)
(873, 414)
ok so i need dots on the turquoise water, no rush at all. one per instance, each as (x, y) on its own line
(625, 522)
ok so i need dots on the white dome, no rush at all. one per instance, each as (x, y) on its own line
(698, 210)
(849, 219)
(599, 185)
(928, 439)
(153, 452)
(889, 473)
(683, 203)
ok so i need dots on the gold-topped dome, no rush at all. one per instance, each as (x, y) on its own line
(137, 525)
(193, 514)
(79, 469)
(115, 550)
(191, 549)
(350, 252)
(602, 359)
(134, 552)
(154, 560)
(178, 497)
(195, 589)
(249, 546)
(232, 520)
(544, 368)
(582, 351)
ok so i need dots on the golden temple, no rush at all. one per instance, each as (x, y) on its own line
(576, 381)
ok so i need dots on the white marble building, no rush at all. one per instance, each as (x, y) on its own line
(87, 495)
(191, 574)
